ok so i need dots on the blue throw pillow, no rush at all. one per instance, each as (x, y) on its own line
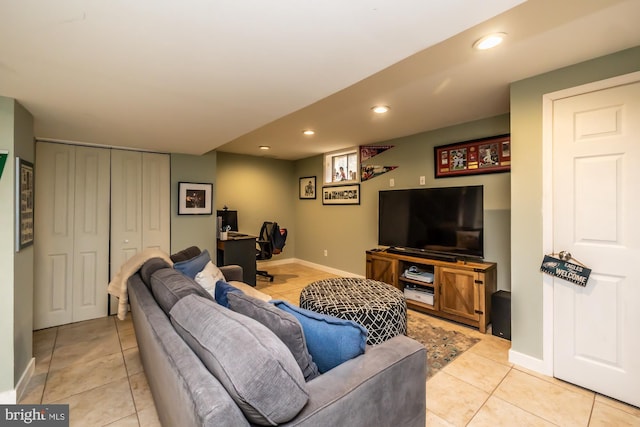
(193, 266)
(222, 289)
(330, 340)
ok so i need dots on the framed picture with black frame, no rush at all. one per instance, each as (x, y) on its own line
(24, 203)
(486, 155)
(195, 198)
(307, 187)
(341, 194)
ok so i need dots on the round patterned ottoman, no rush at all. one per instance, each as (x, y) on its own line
(379, 307)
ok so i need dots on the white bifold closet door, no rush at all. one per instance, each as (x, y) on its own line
(140, 204)
(72, 228)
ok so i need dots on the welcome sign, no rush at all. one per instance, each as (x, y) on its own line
(565, 270)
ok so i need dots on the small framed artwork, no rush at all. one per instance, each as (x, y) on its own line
(195, 198)
(341, 195)
(24, 203)
(487, 155)
(307, 187)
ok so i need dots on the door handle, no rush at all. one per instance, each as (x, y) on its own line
(565, 255)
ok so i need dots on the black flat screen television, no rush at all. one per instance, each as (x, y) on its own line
(448, 220)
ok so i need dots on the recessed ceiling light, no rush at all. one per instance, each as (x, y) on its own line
(309, 132)
(489, 41)
(264, 147)
(380, 109)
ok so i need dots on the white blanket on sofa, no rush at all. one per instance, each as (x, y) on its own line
(118, 285)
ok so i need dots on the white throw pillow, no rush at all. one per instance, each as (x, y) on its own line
(208, 277)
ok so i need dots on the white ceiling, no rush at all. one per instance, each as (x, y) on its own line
(195, 75)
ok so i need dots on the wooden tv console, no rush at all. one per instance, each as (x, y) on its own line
(461, 290)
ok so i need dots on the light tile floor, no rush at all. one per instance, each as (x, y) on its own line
(94, 366)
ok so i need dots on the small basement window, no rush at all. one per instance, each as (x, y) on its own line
(341, 166)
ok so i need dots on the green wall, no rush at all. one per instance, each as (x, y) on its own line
(346, 232)
(260, 189)
(16, 305)
(526, 187)
(192, 230)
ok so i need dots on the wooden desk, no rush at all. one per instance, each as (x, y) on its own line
(239, 250)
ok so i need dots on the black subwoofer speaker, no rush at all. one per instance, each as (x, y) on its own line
(501, 314)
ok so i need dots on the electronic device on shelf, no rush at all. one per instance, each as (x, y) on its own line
(414, 273)
(417, 293)
(445, 223)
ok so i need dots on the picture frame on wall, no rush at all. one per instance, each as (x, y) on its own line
(24, 203)
(195, 198)
(487, 155)
(307, 187)
(341, 195)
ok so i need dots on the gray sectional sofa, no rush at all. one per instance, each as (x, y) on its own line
(385, 386)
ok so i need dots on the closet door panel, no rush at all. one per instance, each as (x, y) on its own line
(91, 254)
(53, 249)
(126, 215)
(155, 201)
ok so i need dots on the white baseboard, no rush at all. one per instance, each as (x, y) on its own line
(25, 378)
(266, 264)
(281, 261)
(529, 362)
(11, 397)
(8, 397)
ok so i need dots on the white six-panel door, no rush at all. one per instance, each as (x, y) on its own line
(72, 225)
(140, 204)
(596, 185)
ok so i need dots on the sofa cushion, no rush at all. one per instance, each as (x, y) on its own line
(150, 267)
(254, 366)
(208, 277)
(168, 286)
(330, 340)
(194, 265)
(250, 290)
(186, 254)
(222, 289)
(284, 325)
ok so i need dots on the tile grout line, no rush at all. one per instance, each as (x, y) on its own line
(83, 391)
(625, 410)
(490, 394)
(548, 382)
(46, 377)
(126, 368)
(508, 365)
(593, 404)
(513, 404)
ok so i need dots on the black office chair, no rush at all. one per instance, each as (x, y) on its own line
(270, 242)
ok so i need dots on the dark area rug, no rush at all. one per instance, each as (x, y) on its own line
(443, 346)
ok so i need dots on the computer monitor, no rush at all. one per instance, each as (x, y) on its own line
(229, 218)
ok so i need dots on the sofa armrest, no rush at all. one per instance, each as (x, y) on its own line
(386, 386)
(232, 272)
